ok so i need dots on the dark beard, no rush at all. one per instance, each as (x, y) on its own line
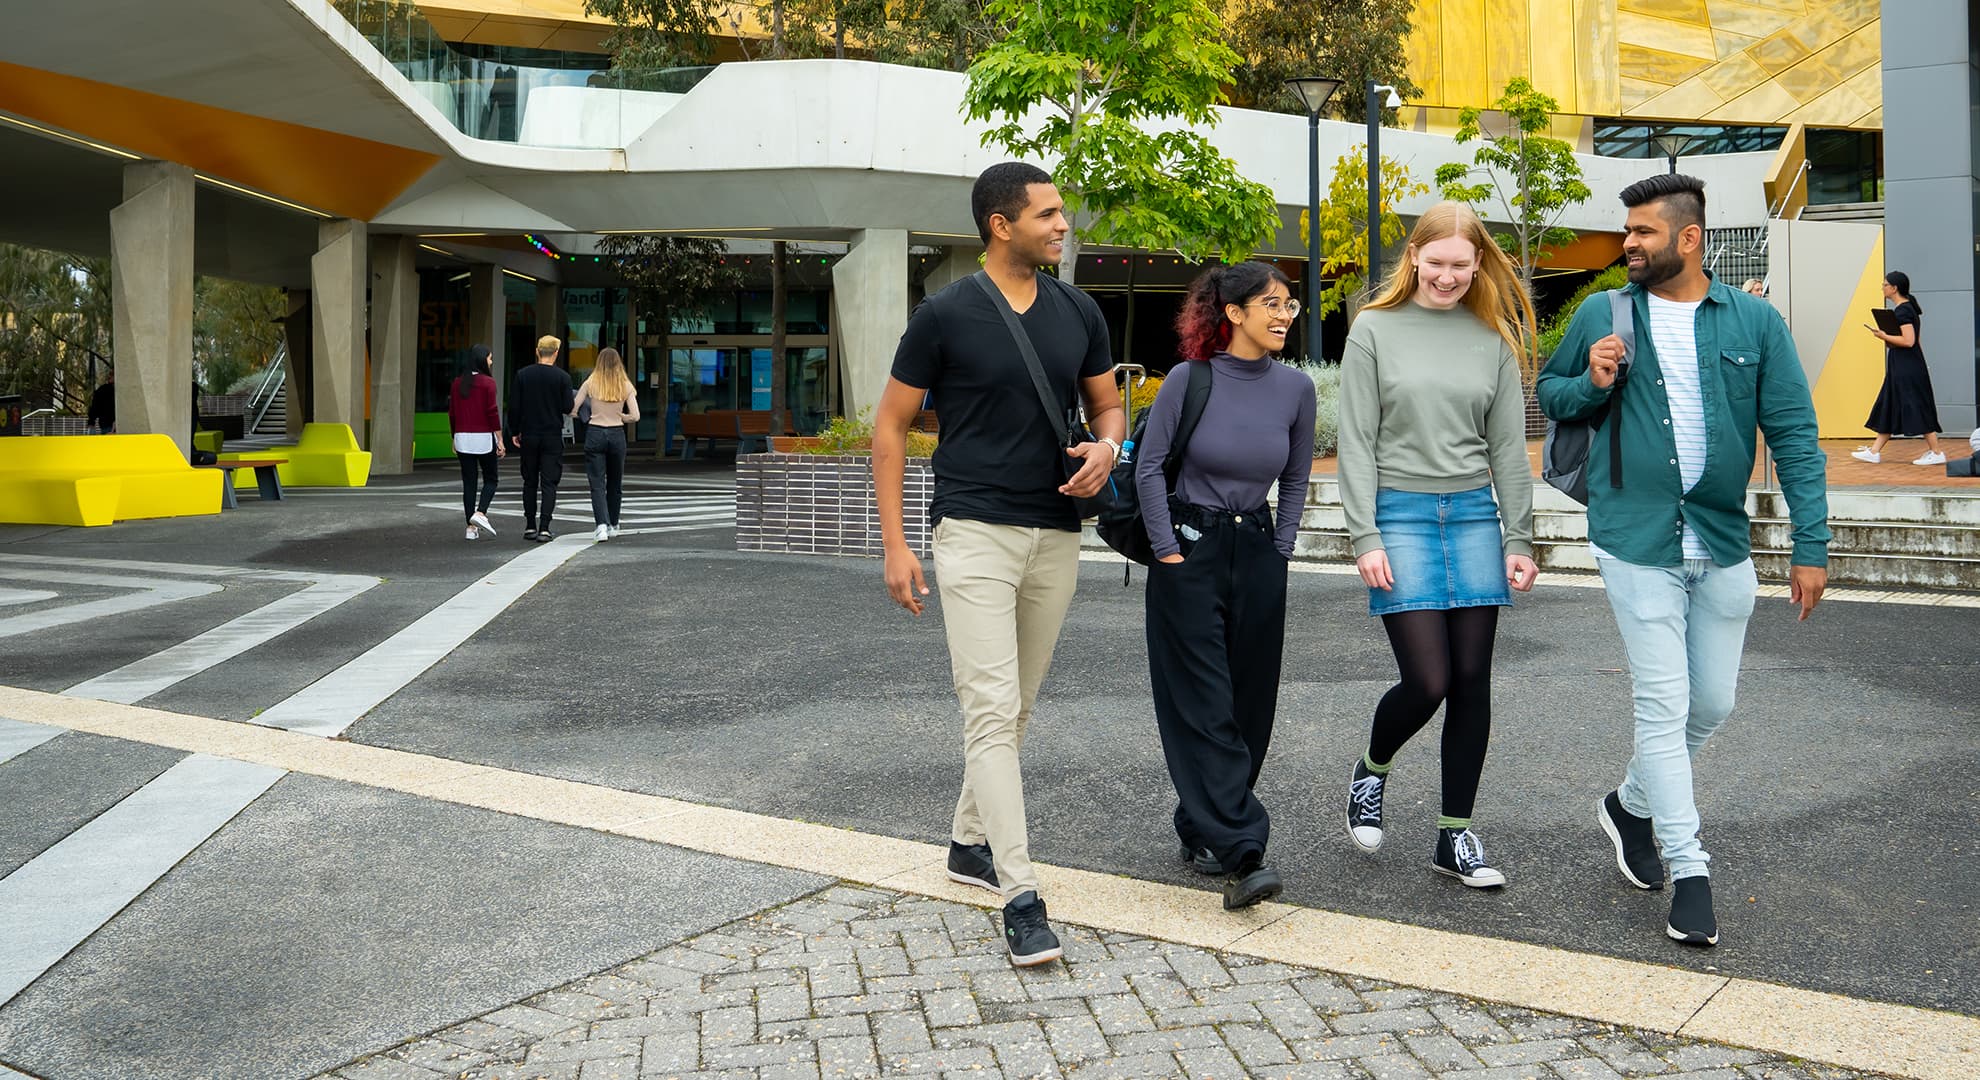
(1658, 267)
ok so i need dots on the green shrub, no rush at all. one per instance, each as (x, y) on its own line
(1615, 277)
(1326, 405)
(854, 435)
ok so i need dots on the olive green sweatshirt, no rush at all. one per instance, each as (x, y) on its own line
(1431, 402)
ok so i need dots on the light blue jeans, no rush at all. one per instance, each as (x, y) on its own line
(1684, 628)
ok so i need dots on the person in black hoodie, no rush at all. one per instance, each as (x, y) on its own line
(539, 399)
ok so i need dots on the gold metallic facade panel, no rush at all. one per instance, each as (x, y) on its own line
(1737, 61)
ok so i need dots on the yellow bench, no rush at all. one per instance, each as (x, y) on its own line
(98, 479)
(327, 455)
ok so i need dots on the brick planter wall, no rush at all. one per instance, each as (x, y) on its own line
(818, 504)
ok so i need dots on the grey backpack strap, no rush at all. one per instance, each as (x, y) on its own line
(1058, 422)
(1622, 323)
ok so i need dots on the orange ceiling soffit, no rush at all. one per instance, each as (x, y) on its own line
(341, 174)
(1590, 251)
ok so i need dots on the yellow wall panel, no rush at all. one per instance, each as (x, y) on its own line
(1764, 104)
(1595, 37)
(1751, 19)
(1779, 52)
(1733, 77)
(1808, 80)
(1506, 49)
(1691, 11)
(1855, 53)
(1664, 35)
(1552, 27)
(1635, 92)
(1688, 101)
(1854, 368)
(1654, 66)
(1729, 43)
(1833, 109)
(1424, 51)
(1466, 80)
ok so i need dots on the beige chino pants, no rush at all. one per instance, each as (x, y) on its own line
(1005, 590)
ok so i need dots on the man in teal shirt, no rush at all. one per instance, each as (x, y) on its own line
(1673, 542)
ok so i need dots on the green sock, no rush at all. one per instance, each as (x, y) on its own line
(1369, 764)
(1454, 823)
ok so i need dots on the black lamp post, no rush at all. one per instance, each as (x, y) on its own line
(1375, 103)
(1313, 93)
(1672, 144)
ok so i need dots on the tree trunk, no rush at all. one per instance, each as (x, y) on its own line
(1069, 258)
(776, 29)
(780, 295)
(839, 32)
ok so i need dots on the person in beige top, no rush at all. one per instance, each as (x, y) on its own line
(1433, 421)
(614, 408)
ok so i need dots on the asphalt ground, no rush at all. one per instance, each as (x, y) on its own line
(1834, 801)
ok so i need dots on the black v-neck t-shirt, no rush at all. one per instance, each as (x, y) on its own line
(998, 460)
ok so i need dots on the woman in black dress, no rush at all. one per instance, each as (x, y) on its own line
(1904, 407)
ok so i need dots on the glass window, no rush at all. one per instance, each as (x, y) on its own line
(1635, 139)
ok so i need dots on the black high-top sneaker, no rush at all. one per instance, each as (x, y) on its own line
(1635, 843)
(1364, 807)
(1252, 883)
(1692, 921)
(1460, 854)
(971, 864)
(1027, 934)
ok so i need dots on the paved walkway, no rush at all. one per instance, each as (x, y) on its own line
(1895, 472)
(861, 982)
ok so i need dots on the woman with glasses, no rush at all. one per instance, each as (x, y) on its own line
(1216, 602)
(1433, 421)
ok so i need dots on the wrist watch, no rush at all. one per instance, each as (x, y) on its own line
(1112, 445)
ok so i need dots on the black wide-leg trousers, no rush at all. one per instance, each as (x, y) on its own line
(1216, 635)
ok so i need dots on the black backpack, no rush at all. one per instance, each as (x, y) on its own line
(1120, 523)
(1564, 456)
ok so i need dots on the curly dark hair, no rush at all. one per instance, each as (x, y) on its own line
(1202, 331)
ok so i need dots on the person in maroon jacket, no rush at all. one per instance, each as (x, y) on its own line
(477, 423)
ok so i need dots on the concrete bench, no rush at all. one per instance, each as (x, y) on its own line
(99, 479)
(327, 455)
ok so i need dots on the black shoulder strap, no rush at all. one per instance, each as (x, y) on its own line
(1196, 398)
(1622, 323)
(1054, 418)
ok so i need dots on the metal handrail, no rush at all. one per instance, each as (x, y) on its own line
(1780, 206)
(264, 393)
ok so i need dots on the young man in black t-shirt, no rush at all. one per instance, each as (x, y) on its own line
(539, 399)
(1006, 533)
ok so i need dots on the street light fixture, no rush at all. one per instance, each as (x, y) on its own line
(1374, 106)
(1673, 144)
(1313, 93)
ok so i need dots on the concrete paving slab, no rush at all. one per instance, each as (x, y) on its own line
(63, 783)
(329, 920)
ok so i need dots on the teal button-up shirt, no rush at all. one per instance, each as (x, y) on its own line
(1750, 377)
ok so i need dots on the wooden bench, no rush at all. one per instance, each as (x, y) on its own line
(99, 479)
(746, 427)
(267, 477)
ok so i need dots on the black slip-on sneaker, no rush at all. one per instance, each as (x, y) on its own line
(1200, 860)
(1253, 883)
(1635, 843)
(1692, 921)
(1027, 934)
(971, 864)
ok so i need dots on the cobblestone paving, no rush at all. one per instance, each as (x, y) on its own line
(857, 982)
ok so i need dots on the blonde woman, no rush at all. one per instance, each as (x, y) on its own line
(1433, 421)
(614, 407)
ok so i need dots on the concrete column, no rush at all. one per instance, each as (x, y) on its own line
(549, 312)
(957, 264)
(151, 301)
(394, 352)
(337, 274)
(870, 294)
(295, 377)
(1931, 175)
(488, 312)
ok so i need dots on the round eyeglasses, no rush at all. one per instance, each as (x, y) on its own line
(1276, 306)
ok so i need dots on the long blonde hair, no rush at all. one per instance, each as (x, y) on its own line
(1496, 295)
(607, 381)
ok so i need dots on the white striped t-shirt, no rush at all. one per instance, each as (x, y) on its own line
(1673, 327)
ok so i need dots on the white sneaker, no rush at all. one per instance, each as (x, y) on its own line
(1864, 453)
(481, 522)
(602, 533)
(616, 531)
(473, 533)
(1932, 457)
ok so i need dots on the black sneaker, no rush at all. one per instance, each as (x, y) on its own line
(1364, 807)
(971, 864)
(529, 532)
(1691, 912)
(1460, 854)
(1202, 861)
(1026, 933)
(1253, 883)
(1636, 845)
(544, 536)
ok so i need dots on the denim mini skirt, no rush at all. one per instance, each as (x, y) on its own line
(1446, 551)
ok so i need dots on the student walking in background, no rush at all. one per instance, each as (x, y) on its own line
(1216, 599)
(614, 407)
(1433, 422)
(539, 401)
(476, 420)
(1905, 407)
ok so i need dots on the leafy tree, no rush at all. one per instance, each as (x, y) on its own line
(1533, 177)
(55, 328)
(945, 34)
(1351, 40)
(671, 277)
(1344, 222)
(657, 34)
(1102, 68)
(237, 328)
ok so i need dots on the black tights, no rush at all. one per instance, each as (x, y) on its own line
(1445, 658)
